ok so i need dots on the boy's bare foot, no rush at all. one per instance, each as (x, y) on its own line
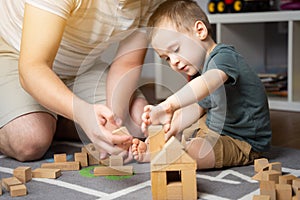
(140, 151)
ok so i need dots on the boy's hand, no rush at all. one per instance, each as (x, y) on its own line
(160, 114)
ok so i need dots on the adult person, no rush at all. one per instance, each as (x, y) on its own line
(48, 49)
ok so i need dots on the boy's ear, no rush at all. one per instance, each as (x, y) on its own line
(200, 30)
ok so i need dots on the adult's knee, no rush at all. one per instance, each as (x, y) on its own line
(29, 139)
(31, 149)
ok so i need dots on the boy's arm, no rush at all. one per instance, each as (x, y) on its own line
(184, 117)
(197, 89)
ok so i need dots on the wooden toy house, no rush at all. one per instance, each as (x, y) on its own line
(173, 171)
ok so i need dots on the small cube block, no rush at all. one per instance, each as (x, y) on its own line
(94, 157)
(11, 181)
(82, 158)
(283, 191)
(23, 173)
(18, 190)
(259, 164)
(60, 157)
(287, 179)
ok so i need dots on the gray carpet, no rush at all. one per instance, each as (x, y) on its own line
(231, 183)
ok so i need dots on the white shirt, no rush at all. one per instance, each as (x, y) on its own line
(90, 24)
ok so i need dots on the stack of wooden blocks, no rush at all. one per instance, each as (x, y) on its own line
(173, 171)
(273, 184)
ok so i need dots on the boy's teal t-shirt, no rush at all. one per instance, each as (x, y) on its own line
(239, 108)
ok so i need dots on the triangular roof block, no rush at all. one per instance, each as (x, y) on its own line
(171, 153)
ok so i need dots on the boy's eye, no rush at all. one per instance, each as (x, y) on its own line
(176, 49)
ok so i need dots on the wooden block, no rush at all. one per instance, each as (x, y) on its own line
(121, 131)
(23, 173)
(46, 173)
(60, 157)
(283, 191)
(189, 186)
(0, 188)
(297, 195)
(287, 179)
(261, 197)
(268, 188)
(271, 175)
(116, 170)
(94, 158)
(273, 166)
(82, 158)
(174, 190)
(18, 190)
(259, 164)
(159, 185)
(88, 148)
(11, 181)
(156, 142)
(296, 185)
(104, 161)
(63, 166)
(115, 160)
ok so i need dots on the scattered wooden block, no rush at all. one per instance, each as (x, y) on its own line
(88, 148)
(11, 181)
(82, 158)
(271, 175)
(60, 157)
(18, 190)
(63, 166)
(296, 185)
(115, 160)
(268, 188)
(116, 170)
(273, 166)
(297, 195)
(23, 173)
(94, 158)
(287, 179)
(283, 191)
(46, 173)
(259, 164)
(261, 197)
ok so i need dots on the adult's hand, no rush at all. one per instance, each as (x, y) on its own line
(93, 120)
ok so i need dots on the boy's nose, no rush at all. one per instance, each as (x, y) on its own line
(174, 60)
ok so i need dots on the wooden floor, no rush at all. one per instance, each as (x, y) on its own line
(285, 125)
(285, 128)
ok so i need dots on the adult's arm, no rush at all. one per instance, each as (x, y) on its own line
(41, 37)
(124, 73)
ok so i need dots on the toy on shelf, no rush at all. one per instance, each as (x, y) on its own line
(290, 5)
(236, 6)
